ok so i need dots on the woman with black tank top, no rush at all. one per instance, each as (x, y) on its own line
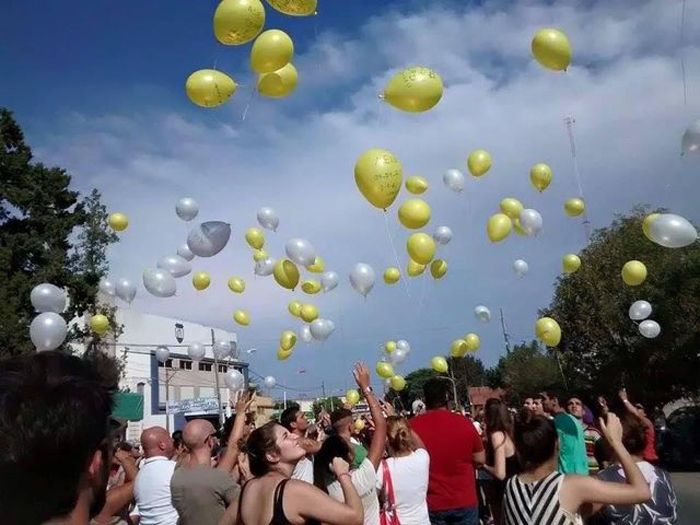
(272, 498)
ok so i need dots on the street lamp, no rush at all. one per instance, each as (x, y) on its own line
(179, 332)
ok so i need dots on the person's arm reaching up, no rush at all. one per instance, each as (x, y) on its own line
(376, 447)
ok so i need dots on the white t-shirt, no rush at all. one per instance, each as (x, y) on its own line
(409, 475)
(304, 470)
(152, 492)
(364, 478)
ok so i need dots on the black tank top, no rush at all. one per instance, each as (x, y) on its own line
(278, 516)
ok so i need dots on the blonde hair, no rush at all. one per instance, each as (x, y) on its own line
(398, 435)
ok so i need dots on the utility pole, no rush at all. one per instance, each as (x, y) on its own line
(216, 379)
(506, 338)
(167, 398)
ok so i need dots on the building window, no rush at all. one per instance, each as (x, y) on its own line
(205, 367)
(223, 368)
(167, 364)
(185, 365)
(186, 392)
(140, 387)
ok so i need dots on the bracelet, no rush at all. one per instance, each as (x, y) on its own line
(368, 390)
(344, 474)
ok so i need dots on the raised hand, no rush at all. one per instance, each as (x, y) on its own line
(339, 467)
(361, 374)
(611, 429)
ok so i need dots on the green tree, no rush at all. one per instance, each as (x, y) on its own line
(601, 348)
(528, 369)
(329, 404)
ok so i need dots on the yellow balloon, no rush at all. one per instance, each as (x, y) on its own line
(311, 287)
(286, 274)
(498, 227)
(271, 51)
(287, 340)
(255, 238)
(414, 269)
(389, 346)
(552, 49)
(283, 354)
(416, 185)
(352, 397)
(118, 221)
(392, 275)
(236, 285)
(647, 223)
(634, 273)
(201, 280)
(472, 341)
(438, 268)
(241, 317)
(209, 88)
(512, 207)
(279, 83)
(548, 331)
(308, 312)
(358, 425)
(295, 308)
(99, 324)
(318, 265)
(439, 364)
(574, 207)
(378, 175)
(519, 229)
(415, 89)
(384, 370)
(421, 248)
(479, 162)
(541, 176)
(238, 21)
(398, 383)
(570, 263)
(259, 255)
(458, 348)
(295, 7)
(414, 213)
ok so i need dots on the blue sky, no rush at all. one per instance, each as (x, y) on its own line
(99, 89)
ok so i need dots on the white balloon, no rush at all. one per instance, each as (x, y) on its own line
(387, 382)
(305, 333)
(482, 313)
(125, 290)
(300, 251)
(196, 351)
(672, 231)
(270, 382)
(531, 221)
(442, 235)
(175, 264)
(454, 179)
(362, 278)
(46, 297)
(209, 238)
(402, 344)
(107, 287)
(398, 356)
(234, 380)
(520, 267)
(321, 329)
(159, 282)
(48, 331)
(162, 354)
(264, 267)
(185, 252)
(187, 208)
(268, 219)
(691, 139)
(221, 349)
(640, 310)
(649, 329)
(329, 280)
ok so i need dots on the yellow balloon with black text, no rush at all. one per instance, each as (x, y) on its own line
(308, 312)
(389, 346)
(295, 7)
(318, 265)
(238, 21)
(570, 263)
(439, 364)
(311, 287)
(414, 213)
(438, 268)
(646, 224)
(415, 89)
(551, 48)
(271, 51)
(201, 280)
(548, 331)
(255, 238)
(283, 354)
(472, 341)
(259, 255)
(241, 317)
(634, 273)
(118, 221)
(384, 370)
(421, 248)
(209, 88)
(352, 397)
(392, 275)
(398, 383)
(295, 308)
(574, 207)
(416, 185)
(287, 340)
(286, 274)
(498, 227)
(279, 83)
(414, 269)
(236, 285)
(458, 348)
(378, 175)
(541, 176)
(99, 324)
(479, 162)
(511, 207)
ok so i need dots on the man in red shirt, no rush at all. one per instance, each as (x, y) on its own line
(649, 453)
(454, 446)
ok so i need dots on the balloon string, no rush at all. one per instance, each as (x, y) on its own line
(250, 100)
(570, 121)
(396, 255)
(682, 46)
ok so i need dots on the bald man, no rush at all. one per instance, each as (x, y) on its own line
(200, 492)
(152, 487)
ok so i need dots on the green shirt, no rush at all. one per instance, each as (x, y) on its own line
(360, 455)
(572, 446)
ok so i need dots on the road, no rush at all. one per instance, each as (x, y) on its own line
(687, 487)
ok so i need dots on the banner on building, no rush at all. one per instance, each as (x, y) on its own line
(201, 404)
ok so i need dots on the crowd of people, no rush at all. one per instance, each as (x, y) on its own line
(550, 461)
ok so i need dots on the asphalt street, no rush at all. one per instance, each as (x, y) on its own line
(687, 487)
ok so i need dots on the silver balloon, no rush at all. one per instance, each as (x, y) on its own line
(221, 349)
(196, 351)
(305, 333)
(268, 219)
(321, 329)
(649, 329)
(185, 252)
(300, 251)
(640, 310)
(159, 282)
(362, 278)
(672, 231)
(691, 139)
(520, 267)
(402, 344)
(209, 238)
(454, 180)
(387, 382)
(442, 235)
(48, 331)
(126, 290)
(107, 287)
(329, 280)
(46, 297)
(187, 209)
(398, 356)
(234, 379)
(482, 313)
(265, 267)
(531, 221)
(162, 353)
(175, 264)
(270, 382)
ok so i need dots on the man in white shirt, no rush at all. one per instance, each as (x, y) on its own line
(152, 486)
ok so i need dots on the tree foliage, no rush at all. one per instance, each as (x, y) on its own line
(329, 404)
